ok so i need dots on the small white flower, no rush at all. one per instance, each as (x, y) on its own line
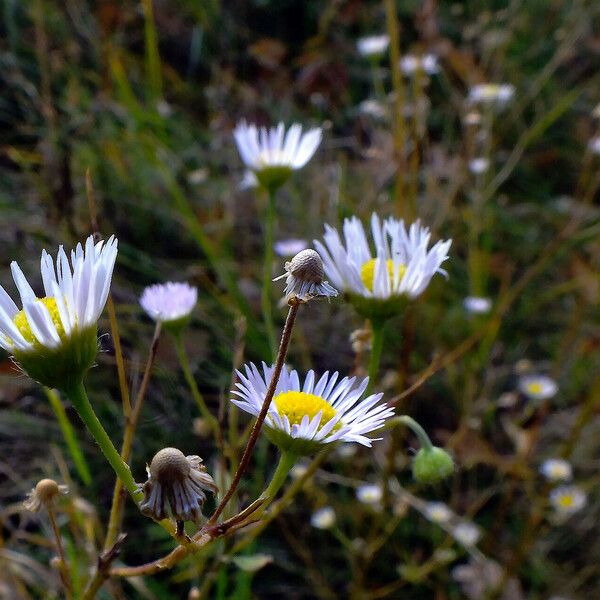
(272, 154)
(438, 512)
(324, 518)
(289, 247)
(477, 305)
(169, 301)
(538, 387)
(466, 534)
(319, 412)
(594, 145)
(491, 93)
(369, 493)
(557, 469)
(410, 64)
(75, 295)
(373, 108)
(567, 499)
(400, 266)
(304, 277)
(373, 45)
(480, 165)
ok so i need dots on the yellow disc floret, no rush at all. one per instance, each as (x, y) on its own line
(367, 272)
(566, 501)
(20, 320)
(295, 405)
(535, 387)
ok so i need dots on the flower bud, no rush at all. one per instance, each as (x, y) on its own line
(432, 465)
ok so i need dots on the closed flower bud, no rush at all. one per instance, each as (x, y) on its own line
(432, 465)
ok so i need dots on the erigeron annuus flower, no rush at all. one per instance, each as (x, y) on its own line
(323, 518)
(557, 469)
(479, 165)
(466, 533)
(567, 499)
(477, 305)
(594, 145)
(45, 493)
(491, 93)
(272, 154)
(289, 247)
(304, 277)
(370, 493)
(302, 418)
(438, 512)
(538, 387)
(399, 269)
(373, 45)
(170, 303)
(428, 63)
(54, 338)
(177, 482)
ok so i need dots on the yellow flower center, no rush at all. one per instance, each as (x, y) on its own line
(535, 387)
(367, 272)
(566, 501)
(295, 405)
(22, 324)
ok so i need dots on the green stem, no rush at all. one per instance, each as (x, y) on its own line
(69, 435)
(78, 397)
(376, 348)
(187, 373)
(286, 461)
(268, 275)
(417, 430)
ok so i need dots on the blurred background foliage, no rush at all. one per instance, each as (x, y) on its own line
(145, 95)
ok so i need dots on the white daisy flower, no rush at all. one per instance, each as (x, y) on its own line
(169, 302)
(567, 499)
(466, 534)
(538, 387)
(373, 108)
(272, 154)
(400, 267)
(289, 247)
(369, 494)
(477, 305)
(427, 63)
(373, 45)
(438, 512)
(491, 93)
(301, 418)
(480, 165)
(557, 469)
(323, 518)
(594, 145)
(54, 337)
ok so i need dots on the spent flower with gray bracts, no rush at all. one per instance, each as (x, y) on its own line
(169, 303)
(177, 482)
(45, 493)
(304, 277)
(272, 154)
(54, 338)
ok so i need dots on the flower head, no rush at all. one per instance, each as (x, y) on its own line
(479, 165)
(54, 338)
(438, 512)
(302, 418)
(373, 45)
(369, 493)
(170, 303)
(428, 63)
(400, 268)
(594, 145)
(491, 93)
(289, 247)
(272, 154)
(477, 305)
(467, 534)
(557, 469)
(45, 493)
(323, 518)
(432, 464)
(538, 387)
(304, 277)
(178, 481)
(567, 499)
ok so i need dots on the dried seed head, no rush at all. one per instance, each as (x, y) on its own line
(307, 265)
(45, 493)
(169, 465)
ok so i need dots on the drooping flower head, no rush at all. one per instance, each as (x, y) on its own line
(302, 418)
(177, 482)
(272, 154)
(170, 303)
(54, 338)
(379, 282)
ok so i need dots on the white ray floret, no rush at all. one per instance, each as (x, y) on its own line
(321, 411)
(169, 301)
(400, 265)
(262, 148)
(79, 288)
